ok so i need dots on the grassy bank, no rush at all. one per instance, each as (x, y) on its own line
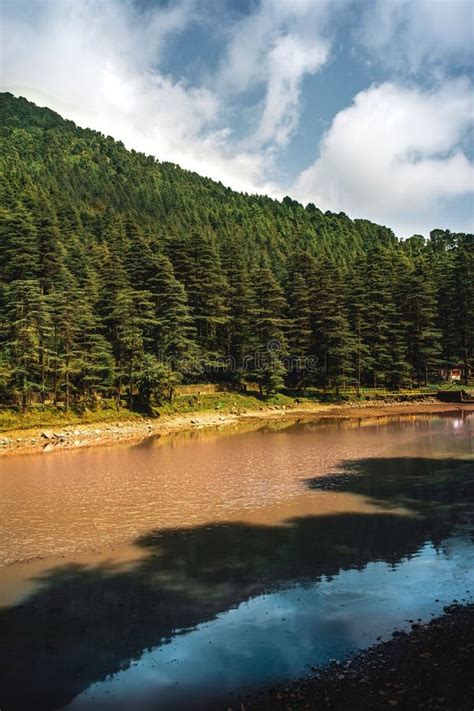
(49, 416)
(11, 419)
(222, 402)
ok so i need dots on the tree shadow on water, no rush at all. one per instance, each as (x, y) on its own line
(437, 488)
(86, 623)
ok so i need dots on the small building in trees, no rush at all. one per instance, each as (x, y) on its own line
(452, 372)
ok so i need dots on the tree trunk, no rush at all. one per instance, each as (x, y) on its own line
(43, 379)
(466, 364)
(84, 392)
(55, 370)
(130, 386)
(66, 405)
(117, 397)
(359, 365)
(24, 399)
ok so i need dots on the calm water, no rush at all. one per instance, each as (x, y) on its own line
(183, 571)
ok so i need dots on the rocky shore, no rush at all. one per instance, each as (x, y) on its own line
(430, 668)
(37, 440)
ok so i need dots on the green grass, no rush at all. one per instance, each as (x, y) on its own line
(224, 402)
(11, 419)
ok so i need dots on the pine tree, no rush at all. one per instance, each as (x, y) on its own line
(155, 381)
(442, 251)
(399, 372)
(93, 358)
(333, 337)
(137, 257)
(384, 320)
(240, 327)
(423, 336)
(207, 289)
(19, 256)
(464, 301)
(23, 325)
(359, 309)
(44, 345)
(270, 306)
(300, 333)
(52, 265)
(63, 307)
(177, 247)
(132, 314)
(174, 333)
(112, 278)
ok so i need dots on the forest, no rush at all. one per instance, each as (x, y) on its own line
(122, 276)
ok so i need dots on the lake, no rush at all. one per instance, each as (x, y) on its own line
(186, 570)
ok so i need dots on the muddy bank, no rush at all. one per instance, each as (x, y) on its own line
(73, 436)
(430, 667)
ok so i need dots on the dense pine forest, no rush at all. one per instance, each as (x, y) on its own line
(121, 276)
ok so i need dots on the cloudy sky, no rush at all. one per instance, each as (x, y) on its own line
(364, 106)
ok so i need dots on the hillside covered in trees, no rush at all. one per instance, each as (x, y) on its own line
(121, 276)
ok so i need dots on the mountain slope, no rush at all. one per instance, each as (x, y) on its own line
(122, 275)
(48, 155)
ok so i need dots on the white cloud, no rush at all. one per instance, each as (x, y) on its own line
(419, 35)
(290, 58)
(97, 63)
(392, 156)
(275, 47)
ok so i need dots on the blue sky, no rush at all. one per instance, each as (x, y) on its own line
(364, 106)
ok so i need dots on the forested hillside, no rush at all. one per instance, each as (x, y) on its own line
(121, 276)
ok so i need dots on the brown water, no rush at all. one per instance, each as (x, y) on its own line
(62, 502)
(161, 574)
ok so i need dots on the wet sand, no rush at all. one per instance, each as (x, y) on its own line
(47, 440)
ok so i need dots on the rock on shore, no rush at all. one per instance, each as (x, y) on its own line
(429, 668)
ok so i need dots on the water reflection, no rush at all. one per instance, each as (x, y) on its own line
(226, 586)
(280, 635)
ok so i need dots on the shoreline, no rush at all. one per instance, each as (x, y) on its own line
(429, 667)
(37, 440)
